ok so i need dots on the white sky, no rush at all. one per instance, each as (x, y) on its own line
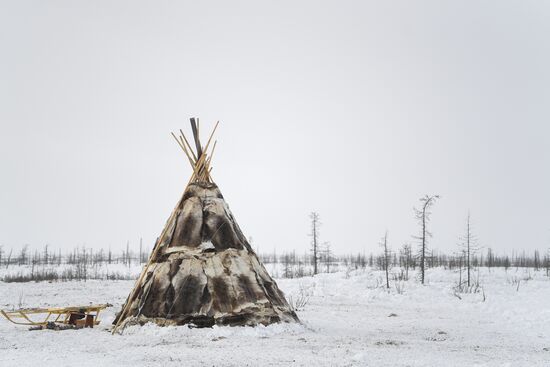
(352, 109)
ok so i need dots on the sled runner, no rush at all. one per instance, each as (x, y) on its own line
(78, 316)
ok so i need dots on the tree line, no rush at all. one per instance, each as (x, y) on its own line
(85, 263)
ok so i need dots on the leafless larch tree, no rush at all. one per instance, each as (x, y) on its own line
(469, 248)
(422, 214)
(315, 223)
(386, 258)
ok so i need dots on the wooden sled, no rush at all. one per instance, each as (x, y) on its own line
(78, 316)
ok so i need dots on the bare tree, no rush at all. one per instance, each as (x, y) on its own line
(287, 268)
(406, 258)
(128, 260)
(547, 263)
(490, 262)
(23, 255)
(315, 223)
(423, 217)
(469, 245)
(327, 256)
(386, 258)
(9, 258)
(506, 263)
(46, 254)
(274, 256)
(537, 260)
(300, 269)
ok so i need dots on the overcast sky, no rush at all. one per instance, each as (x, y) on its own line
(350, 109)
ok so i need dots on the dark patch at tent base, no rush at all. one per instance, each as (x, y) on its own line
(201, 321)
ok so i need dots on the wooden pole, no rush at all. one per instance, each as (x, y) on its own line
(196, 137)
(187, 153)
(184, 150)
(188, 145)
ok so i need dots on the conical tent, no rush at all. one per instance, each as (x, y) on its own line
(202, 270)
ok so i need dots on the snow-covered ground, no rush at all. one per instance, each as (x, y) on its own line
(349, 320)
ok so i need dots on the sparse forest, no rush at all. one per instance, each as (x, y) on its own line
(84, 264)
